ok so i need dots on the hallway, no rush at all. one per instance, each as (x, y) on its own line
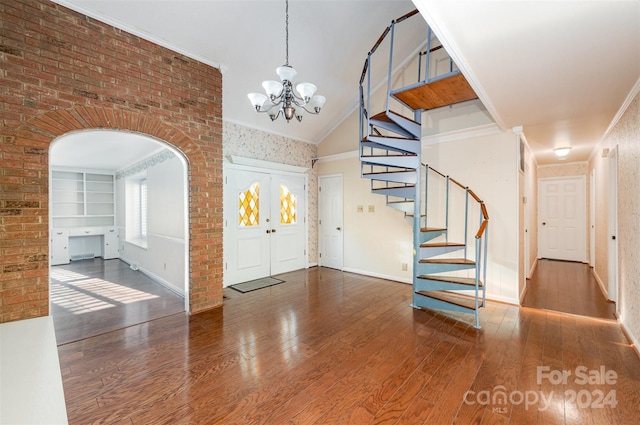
(567, 287)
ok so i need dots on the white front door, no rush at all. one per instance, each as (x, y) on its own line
(247, 226)
(265, 224)
(562, 218)
(288, 221)
(330, 224)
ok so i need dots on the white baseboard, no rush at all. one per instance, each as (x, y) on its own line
(524, 291)
(533, 267)
(378, 275)
(632, 338)
(600, 283)
(156, 278)
(409, 281)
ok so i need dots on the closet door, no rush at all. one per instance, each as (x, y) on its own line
(247, 226)
(288, 227)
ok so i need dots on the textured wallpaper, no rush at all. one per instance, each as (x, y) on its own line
(256, 144)
(626, 136)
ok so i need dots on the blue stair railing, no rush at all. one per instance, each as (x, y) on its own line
(390, 156)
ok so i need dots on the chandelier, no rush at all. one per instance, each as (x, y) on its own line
(281, 98)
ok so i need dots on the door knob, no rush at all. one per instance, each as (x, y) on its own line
(268, 231)
(273, 230)
(544, 224)
(338, 228)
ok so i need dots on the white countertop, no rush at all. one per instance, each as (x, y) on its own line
(30, 382)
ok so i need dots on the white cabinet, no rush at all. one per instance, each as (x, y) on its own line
(111, 245)
(59, 246)
(79, 243)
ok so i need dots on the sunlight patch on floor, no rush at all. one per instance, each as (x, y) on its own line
(91, 294)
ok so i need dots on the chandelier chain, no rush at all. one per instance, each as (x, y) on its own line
(287, 31)
(281, 97)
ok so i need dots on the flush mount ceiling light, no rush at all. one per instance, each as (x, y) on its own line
(281, 98)
(561, 152)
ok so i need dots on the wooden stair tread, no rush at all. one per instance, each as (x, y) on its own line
(447, 261)
(409, 186)
(440, 244)
(382, 116)
(453, 279)
(410, 170)
(432, 229)
(381, 136)
(384, 156)
(451, 298)
(443, 92)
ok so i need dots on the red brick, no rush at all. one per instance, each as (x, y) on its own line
(61, 58)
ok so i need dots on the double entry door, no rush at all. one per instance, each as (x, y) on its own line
(265, 224)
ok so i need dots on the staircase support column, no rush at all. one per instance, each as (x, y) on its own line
(417, 215)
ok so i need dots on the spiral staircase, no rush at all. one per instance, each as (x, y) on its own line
(447, 274)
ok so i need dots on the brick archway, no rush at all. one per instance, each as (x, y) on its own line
(26, 217)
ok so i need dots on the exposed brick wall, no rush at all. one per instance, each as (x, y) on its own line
(61, 71)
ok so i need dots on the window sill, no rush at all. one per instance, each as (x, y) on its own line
(140, 243)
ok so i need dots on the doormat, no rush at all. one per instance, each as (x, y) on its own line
(252, 285)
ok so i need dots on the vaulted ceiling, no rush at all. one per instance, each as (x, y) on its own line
(562, 70)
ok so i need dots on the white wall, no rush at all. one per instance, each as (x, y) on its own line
(488, 165)
(163, 258)
(375, 243)
(378, 243)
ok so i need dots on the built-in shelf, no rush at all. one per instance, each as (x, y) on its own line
(80, 199)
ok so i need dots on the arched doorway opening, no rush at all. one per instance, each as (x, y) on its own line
(118, 203)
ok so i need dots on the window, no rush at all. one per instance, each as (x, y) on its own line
(249, 206)
(288, 206)
(137, 211)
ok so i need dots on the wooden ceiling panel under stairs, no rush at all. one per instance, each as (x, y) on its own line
(436, 94)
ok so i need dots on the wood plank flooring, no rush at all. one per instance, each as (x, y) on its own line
(567, 287)
(327, 347)
(95, 296)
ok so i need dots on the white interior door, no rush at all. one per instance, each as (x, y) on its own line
(562, 218)
(612, 225)
(330, 215)
(288, 223)
(247, 214)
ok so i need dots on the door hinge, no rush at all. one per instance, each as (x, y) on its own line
(225, 180)
(319, 188)
(305, 252)
(225, 266)
(319, 221)
(320, 255)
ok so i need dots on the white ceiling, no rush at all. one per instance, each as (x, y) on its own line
(105, 150)
(560, 69)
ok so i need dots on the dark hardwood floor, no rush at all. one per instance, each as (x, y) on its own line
(327, 347)
(567, 287)
(95, 296)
